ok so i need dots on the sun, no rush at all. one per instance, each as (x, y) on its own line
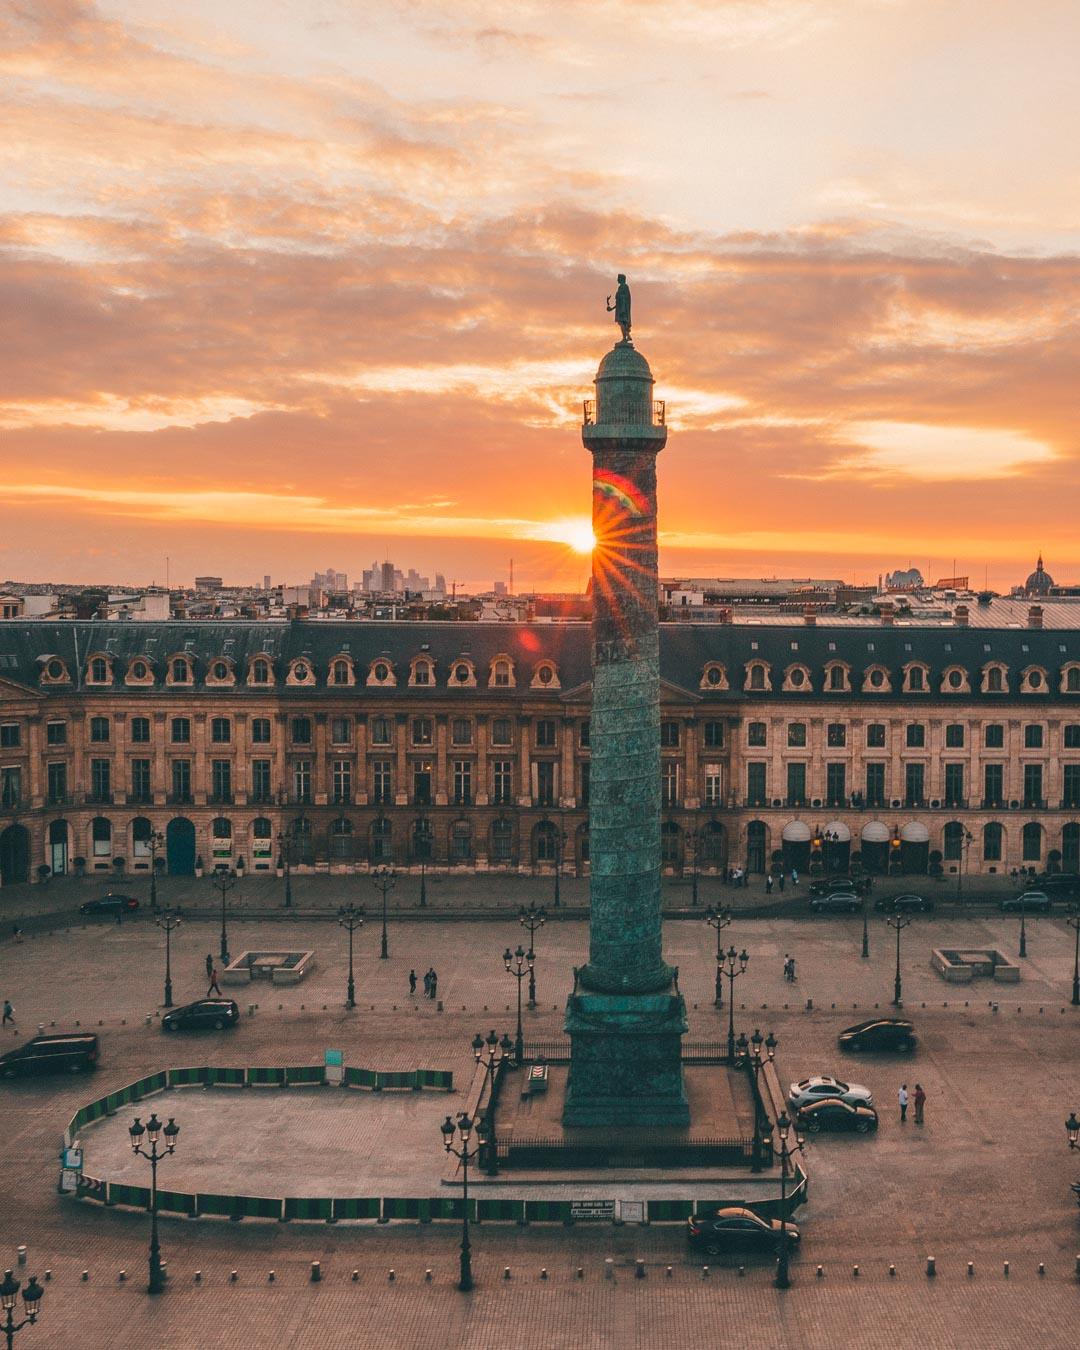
(578, 534)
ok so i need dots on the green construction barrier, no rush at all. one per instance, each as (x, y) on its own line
(122, 1194)
(239, 1206)
(85, 1114)
(267, 1077)
(364, 1078)
(504, 1210)
(156, 1082)
(300, 1207)
(357, 1209)
(188, 1077)
(547, 1211)
(225, 1077)
(449, 1207)
(668, 1211)
(397, 1207)
(116, 1099)
(443, 1079)
(395, 1081)
(307, 1075)
(176, 1202)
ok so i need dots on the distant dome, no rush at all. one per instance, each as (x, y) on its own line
(1040, 581)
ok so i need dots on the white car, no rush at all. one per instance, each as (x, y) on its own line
(816, 1089)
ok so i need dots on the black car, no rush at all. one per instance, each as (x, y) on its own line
(58, 1052)
(826, 885)
(904, 904)
(110, 904)
(879, 1033)
(831, 1113)
(1032, 902)
(837, 902)
(203, 1014)
(735, 1229)
(1059, 885)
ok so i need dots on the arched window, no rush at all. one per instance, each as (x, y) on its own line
(756, 839)
(303, 841)
(876, 680)
(382, 841)
(670, 844)
(994, 681)
(953, 841)
(141, 834)
(262, 828)
(502, 841)
(993, 838)
(180, 670)
(99, 670)
(339, 672)
(545, 676)
(544, 842)
(101, 837)
(423, 838)
(757, 676)
(915, 679)
(1072, 680)
(502, 672)
(341, 839)
(1070, 847)
(463, 673)
(423, 671)
(221, 828)
(837, 677)
(260, 671)
(461, 842)
(1031, 844)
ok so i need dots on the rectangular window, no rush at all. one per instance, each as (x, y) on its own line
(1071, 786)
(714, 785)
(181, 780)
(421, 777)
(836, 735)
(875, 784)
(10, 738)
(502, 781)
(1072, 736)
(714, 735)
(460, 731)
(341, 731)
(180, 731)
(994, 785)
(382, 782)
(916, 735)
(669, 783)
(796, 784)
(140, 730)
(302, 781)
(342, 782)
(994, 736)
(583, 799)
(502, 732)
(57, 781)
(796, 734)
(220, 730)
(954, 785)
(221, 781)
(1033, 777)
(875, 736)
(545, 734)
(260, 780)
(583, 734)
(100, 780)
(423, 731)
(836, 784)
(140, 781)
(1033, 736)
(755, 734)
(669, 735)
(381, 731)
(260, 731)
(992, 843)
(56, 733)
(99, 729)
(462, 782)
(954, 735)
(914, 778)
(301, 731)
(755, 783)
(10, 787)
(545, 783)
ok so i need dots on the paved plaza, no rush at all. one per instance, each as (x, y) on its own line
(986, 1179)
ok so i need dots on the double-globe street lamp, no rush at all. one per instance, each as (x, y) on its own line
(718, 919)
(225, 878)
(783, 1250)
(532, 919)
(733, 964)
(519, 963)
(899, 922)
(167, 920)
(351, 917)
(749, 1051)
(156, 843)
(9, 1294)
(152, 1131)
(384, 879)
(558, 840)
(491, 1052)
(285, 843)
(464, 1129)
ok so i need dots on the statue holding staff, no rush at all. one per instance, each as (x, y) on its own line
(621, 307)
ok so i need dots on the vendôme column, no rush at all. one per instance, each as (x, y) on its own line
(625, 1017)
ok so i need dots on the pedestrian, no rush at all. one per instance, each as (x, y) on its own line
(427, 982)
(781, 880)
(16, 932)
(213, 981)
(920, 1103)
(9, 1013)
(795, 876)
(434, 982)
(901, 1097)
(768, 884)
(209, 965)
(412, 983)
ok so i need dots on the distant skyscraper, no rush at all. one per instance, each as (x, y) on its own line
(266, 582)
(387, 577)
(440, 584)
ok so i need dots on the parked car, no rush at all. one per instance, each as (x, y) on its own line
(203, 1014)
(1033, 902)
(904, 904)
(833, 1113)
(879, 1033)
(110, 904)
(735, 1229)
(815, 1089)
(1059, 885)
(58, 1052)
(826, 885)
(837, 902)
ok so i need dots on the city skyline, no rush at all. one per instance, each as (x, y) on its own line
(318, 288)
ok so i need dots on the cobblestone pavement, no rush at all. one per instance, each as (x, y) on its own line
(986, 1179)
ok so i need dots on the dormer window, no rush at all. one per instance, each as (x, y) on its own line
(876, 680)
(422, 671)
(99, 672)
(502, 673)
(341, 671)
(221, 672)
(797, 679)
(837, 677)
(1034, 681)
(301, 672)
(55, 672)
(995, 679)
(1070, 680)
(381, 672)
(180, 670)
(916, 678)
(714, 676)
(955, 681)
(260, 671)
(139, 672)
(757, 676)
(545, 676)
(463, 674)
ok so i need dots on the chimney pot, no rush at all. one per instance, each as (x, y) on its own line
(1035, 616)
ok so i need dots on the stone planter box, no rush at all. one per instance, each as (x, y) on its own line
(277, 967)
(962, 965)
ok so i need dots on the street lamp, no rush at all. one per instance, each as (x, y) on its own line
(749, 1051)
(718, 919)
(733, 964)
(532, 919)
(1074, 922)
(1072, 1126)
(519, 963)
(285, 841)
(167, 920)
(965, 843)
(157, 842)
(783, 1127)
(865, 930)
(152, 1131)
(224, 878)
(558, 839)
(422, 837)
(899, 922)
(384, 879)
(694, 838)
(32, 1296)
(351, 917)
(1023, 924)
(491, 1052)
(464, 1128)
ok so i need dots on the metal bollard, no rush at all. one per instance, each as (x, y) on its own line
(21, 1253)
(855, 1272)
(580, 1272)
(742, 1271)
(1042, 1268)
(316, 1272)
(669, 1272)
(233, 1277)
(48, 1276)
(271, 1277)
(892, 1272)
(820, 1272)
(356, 1277)
(931, 1267)
(122, 1276)
(609, 1267)
(506, 1272)
(86, 1273)
(1006, 1270)
(391, 1277)
(198, 1277)
(639, 1269)
(427, 1275)
(543, 1273)
(971, 1269)
(704, 1272)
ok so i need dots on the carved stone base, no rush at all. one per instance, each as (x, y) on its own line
(626, 1060)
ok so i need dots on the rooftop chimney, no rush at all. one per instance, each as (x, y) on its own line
(1035, 616)
(888, 617)
(809, 615)
(960, 616)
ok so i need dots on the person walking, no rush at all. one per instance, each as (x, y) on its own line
(920, 1103)
(9, 1013)
(780, 879)
(768, 884)
(902, 1098)
(434, 982)
(412, 983)
(427, 982)
(795, 877)
(209, 966)
(213, 981)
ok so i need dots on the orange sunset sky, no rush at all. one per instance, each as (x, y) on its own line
(289, 283)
